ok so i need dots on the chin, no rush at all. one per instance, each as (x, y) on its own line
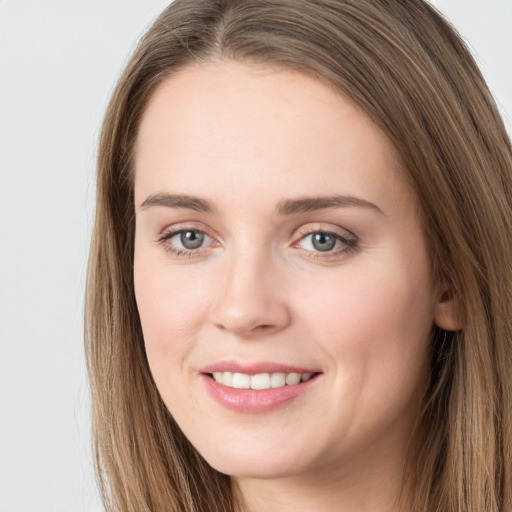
(260, 469)
(258, 459)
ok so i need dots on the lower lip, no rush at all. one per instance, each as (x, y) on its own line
(252, 401)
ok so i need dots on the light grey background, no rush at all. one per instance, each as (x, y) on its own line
(58, 63)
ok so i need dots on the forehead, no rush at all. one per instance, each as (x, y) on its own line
(255, 127)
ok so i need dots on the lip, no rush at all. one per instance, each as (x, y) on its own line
(253, 368)
(249, 400)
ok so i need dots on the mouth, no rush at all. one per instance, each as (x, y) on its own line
(260, 381)
(257, 388)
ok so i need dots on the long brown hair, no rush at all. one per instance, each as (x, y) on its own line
(407, 69)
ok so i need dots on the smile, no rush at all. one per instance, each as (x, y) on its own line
(260, 381)
(257, 387)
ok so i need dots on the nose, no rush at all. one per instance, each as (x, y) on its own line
(251, 302)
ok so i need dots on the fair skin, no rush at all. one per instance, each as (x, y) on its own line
(231, 270)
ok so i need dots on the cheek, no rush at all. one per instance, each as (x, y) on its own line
(374, 325)
(171, 308)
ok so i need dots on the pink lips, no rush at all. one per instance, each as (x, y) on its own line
(252, 401)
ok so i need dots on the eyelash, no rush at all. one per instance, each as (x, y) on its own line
(349, 244)
(177, 251)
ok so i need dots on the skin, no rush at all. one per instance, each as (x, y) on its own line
(245, 138)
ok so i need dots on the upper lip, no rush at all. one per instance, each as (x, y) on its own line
(253, 368)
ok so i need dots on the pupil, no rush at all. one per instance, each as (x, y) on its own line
(192, 239)
(323, 242)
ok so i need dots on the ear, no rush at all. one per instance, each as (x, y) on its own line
(447, 311)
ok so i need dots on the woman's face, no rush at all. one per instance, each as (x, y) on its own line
(277, 240)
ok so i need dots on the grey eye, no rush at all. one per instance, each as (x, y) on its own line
(321, 242)
(186, 242)
(191, 239)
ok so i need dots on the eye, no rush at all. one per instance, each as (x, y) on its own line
(326, 242)
(191, 239)
(185, 241)
(322, 242)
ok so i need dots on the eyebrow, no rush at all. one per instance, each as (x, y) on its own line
(286, 207)
(178, 201)
(311, 204)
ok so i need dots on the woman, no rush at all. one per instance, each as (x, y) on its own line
(300, 283)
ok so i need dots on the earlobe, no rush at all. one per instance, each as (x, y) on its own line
(448, 313)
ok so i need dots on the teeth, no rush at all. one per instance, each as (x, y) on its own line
(241, 381)
(227, 379)
(261, 380)
(293, 378)
(277, 380)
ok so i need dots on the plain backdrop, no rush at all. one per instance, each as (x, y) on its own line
(58, 63)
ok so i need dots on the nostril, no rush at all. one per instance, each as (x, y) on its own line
(264, 327)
